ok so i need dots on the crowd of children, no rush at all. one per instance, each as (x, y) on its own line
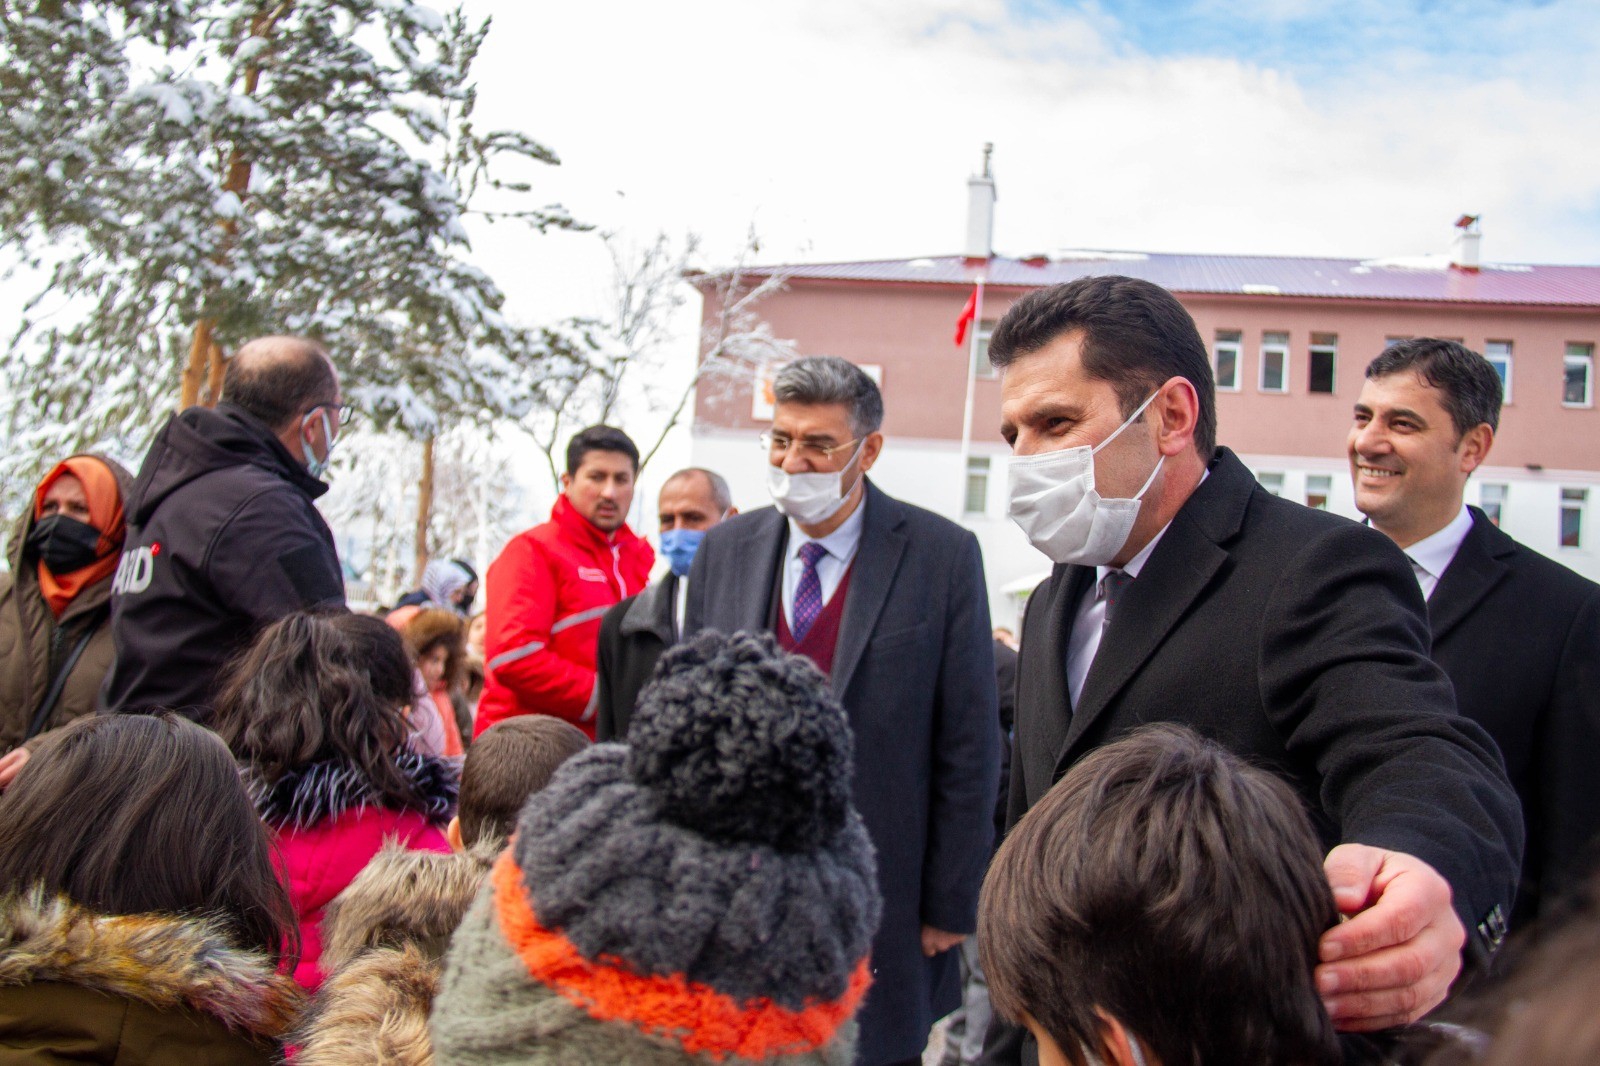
(301, 882)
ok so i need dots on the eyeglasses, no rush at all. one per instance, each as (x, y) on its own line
(344, 411)
(779, 444)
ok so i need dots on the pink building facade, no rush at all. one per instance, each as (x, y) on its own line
(1290, 340)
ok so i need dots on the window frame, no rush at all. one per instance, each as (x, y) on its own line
(1237, 345)
(1288, 363)
(1508, 358)
(1326, 481)
(1330, 348)
(1574, 501)
(985, 469)
(980, 367)
(1497, 516)
(1583, 356)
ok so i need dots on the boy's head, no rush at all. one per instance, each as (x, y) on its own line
(510, 762)
(1162, 903)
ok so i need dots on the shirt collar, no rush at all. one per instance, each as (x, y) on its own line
(1434, 552)
(841, 543)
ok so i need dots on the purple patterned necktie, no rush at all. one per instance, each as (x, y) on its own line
(808, 593)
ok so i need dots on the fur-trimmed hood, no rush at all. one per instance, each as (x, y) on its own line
(166, 962)
(327, 789)
(401, 897)
(373, 1010)
(382, 941)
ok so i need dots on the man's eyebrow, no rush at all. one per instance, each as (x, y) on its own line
(1406, 412)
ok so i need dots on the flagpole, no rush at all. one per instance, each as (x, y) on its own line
(972, 381)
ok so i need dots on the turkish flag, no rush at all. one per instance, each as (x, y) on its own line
(968, 313)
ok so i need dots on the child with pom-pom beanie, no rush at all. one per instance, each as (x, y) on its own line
(705, 894)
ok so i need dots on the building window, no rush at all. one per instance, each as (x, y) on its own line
(1274, 362)
(1578, 388)
(1272, 482)
(1318, 488)
(977, 501)
(1324, 356)
(1227, 354)
(1492, 498)
(980, 352)
(1499, 355)
(1573, 503)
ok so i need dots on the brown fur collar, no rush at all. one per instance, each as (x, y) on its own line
(403, 897)
(374, 1010)
(166, 962)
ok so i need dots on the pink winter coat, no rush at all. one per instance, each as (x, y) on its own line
(319, 862)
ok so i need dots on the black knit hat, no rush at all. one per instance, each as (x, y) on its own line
(709, 886)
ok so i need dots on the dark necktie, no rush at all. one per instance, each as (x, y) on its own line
(1112, 586)
(808, 593)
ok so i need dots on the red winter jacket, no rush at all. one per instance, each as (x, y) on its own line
(547, 591)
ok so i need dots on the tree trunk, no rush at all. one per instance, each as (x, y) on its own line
(206, 359)
(424, 505)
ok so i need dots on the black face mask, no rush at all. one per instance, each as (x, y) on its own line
(64, 544)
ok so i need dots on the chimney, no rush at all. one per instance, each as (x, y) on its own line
(1464, 254)
(980, 211)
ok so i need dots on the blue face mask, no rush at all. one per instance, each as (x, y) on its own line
(679, 546)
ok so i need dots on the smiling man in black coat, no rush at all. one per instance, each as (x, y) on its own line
(1519, 634)
(1185, 592)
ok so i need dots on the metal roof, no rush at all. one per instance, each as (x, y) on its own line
(1422, 278)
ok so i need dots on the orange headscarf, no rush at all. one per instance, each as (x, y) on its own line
(105, 515)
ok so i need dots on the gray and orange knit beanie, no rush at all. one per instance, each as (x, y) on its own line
(705, 894)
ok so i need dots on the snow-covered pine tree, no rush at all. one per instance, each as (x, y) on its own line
(186, 174)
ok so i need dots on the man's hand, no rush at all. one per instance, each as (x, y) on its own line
(11, 764)
(937, 940)
(1393, 961)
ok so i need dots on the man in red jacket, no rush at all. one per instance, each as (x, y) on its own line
(551, 584)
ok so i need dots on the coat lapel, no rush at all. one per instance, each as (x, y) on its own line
(1173, 578)
(871, 578)
(1479, 566)
(756, 560)
(1067, 587)
(653, 611)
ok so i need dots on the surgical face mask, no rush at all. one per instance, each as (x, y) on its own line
(64, 544)
(1053, 499)
(314, 466)
(810, 499)
(679, 546)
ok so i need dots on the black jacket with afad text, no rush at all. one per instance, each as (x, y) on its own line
(223, 538)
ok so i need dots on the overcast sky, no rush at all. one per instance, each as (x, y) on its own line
(847, 128)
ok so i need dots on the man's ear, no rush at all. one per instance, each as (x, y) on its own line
(1178, 407)
(452, 833)
(1122, 1048)
(870, 449)
(566, 482)
(1474, 447)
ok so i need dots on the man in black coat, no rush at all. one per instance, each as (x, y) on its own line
(635, 632)
(1185, 592)
(1519, 634)
(223, 536)
(889, 600)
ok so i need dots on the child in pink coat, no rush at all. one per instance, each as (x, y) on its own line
(315, 714)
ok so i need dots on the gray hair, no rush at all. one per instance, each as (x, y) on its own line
(721, 495)
(829, 379)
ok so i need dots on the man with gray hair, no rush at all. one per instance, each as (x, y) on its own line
(889, 600)
(635, 632)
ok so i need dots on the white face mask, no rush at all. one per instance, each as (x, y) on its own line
(1053, 499)
(314, 466)
(810, 499)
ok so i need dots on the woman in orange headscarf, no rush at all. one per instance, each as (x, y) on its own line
(55, 605)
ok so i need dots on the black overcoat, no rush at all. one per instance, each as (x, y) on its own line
(1519, 635)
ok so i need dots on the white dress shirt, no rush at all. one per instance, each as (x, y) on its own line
(840, 546)
(1431, 556)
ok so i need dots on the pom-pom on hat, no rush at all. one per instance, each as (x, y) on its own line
(706, 893)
